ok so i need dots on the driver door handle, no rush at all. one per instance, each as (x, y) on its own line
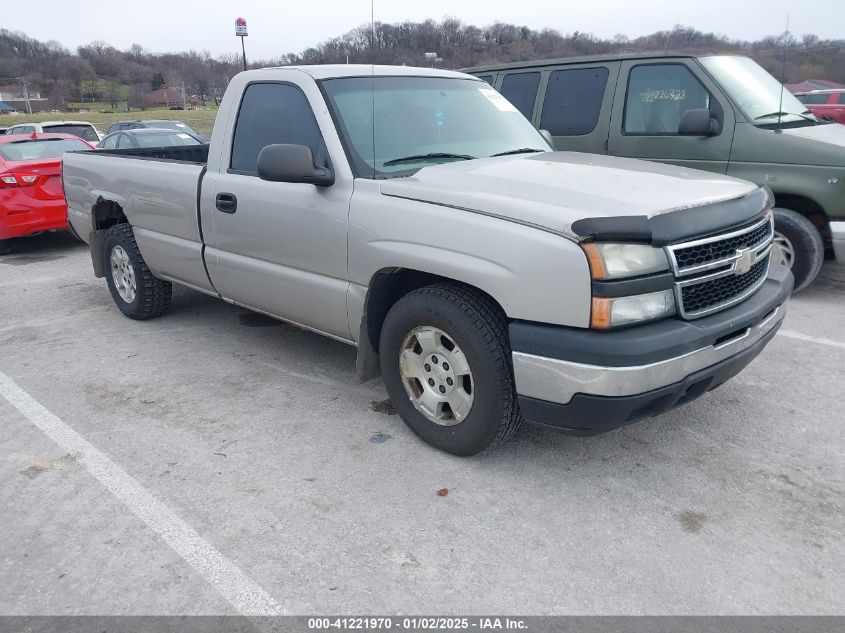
(227, 202)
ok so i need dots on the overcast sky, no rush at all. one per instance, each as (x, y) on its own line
(280, 26)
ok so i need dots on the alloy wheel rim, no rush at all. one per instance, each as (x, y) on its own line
(123, 274)
(783, 251)
(436, 376)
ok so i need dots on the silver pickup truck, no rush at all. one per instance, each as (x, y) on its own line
(416, 214)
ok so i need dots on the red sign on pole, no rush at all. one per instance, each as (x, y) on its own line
(240, 27)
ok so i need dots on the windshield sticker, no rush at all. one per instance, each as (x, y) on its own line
(650, 95)
(498, 100)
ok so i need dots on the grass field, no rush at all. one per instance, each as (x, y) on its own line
(200, 120)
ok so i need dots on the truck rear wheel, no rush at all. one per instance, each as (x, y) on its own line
(447, 366)
(135, 290)
(797, 245)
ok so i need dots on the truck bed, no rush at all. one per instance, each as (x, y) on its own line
(182, 153)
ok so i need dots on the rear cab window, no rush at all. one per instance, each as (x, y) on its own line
(658, 96)
(521, 90)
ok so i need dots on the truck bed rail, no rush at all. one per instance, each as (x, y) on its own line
(182, 153)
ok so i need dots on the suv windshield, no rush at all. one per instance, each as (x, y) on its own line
(756, 92)
(394, 126)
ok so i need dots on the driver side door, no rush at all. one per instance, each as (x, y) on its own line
(651, 98)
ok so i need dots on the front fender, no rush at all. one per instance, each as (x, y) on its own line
(533, 274)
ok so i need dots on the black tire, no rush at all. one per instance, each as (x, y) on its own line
(152, 296)
(5, 247)
(480, 330)
(806, 242)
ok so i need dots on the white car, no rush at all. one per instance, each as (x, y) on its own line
(83, 129)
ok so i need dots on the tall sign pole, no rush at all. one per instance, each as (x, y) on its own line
(241, 32)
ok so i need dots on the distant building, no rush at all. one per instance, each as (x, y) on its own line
(14, 92)
(13, 96)
(169, 98)
(813, 84)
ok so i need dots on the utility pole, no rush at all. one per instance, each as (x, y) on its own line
(26, 95)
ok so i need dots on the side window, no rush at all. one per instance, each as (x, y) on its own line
(658, 95)
(109, 143)
(841, 100)
(270, 114)
(813, 99)
(487, 78)
(521, 90)
(573, 101)
(123, 141)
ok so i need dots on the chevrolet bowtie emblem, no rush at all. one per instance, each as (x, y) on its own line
(747, 258)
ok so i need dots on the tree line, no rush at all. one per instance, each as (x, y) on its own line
(99, 72)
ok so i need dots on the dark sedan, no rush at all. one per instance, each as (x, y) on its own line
(146, 137)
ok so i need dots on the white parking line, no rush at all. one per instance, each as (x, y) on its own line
(812, 339)
(243, 593)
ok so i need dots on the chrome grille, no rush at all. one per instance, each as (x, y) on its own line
(716, 272)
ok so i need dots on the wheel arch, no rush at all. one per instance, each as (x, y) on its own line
(386, 287)
(807, 207)
(104, 215)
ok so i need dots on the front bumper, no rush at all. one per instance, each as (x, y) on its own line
(585, 382)
(837, 231)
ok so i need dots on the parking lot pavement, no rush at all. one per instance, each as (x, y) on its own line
(253, 436)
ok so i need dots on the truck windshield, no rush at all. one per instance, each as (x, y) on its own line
(756, 92)
(394, 126)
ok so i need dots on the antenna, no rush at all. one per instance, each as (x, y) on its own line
(373, 75)
(783, 72)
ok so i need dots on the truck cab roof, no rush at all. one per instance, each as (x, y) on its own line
(608, 57)
(337, 71)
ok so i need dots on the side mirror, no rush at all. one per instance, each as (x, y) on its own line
(294, 164)
(548, 136)
(699, 122)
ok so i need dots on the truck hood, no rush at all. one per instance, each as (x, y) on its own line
(552, 190)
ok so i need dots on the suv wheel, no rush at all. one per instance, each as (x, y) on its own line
(446, 362)
(797, 245)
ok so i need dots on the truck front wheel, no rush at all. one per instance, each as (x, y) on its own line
(446, 362)
(797, 245)
(135, 290)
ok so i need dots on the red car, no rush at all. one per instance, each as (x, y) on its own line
(31, 196)
(828, 105)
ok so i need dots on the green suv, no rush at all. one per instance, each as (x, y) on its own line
(721, 113)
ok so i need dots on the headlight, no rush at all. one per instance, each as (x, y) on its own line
(614, 261)
(609, 312)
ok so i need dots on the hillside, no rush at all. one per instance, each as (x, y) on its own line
(98, 72)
